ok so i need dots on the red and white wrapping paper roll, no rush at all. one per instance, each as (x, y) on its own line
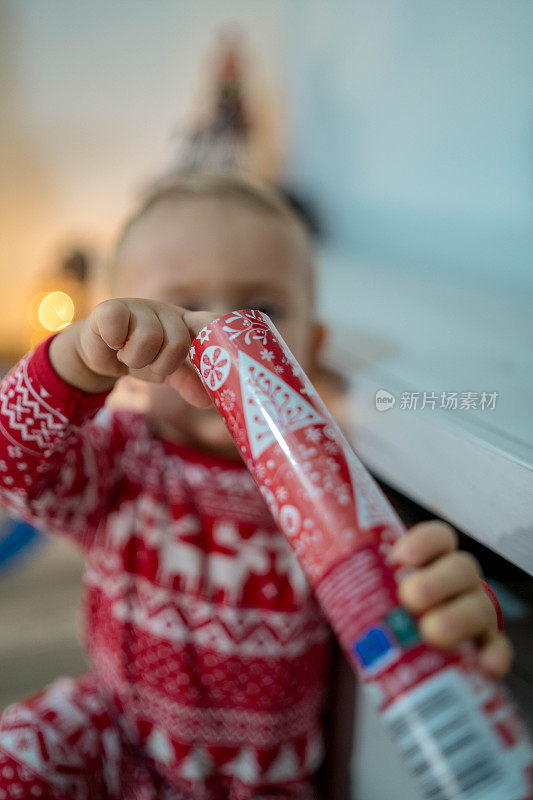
(341, 528)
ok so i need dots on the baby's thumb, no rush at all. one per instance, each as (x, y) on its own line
(187, 383)
(186, 380)
(196, 320)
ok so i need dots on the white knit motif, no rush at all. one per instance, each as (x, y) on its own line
(27, 413)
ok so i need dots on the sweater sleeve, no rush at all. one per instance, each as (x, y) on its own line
(57, 465)
(499, 614)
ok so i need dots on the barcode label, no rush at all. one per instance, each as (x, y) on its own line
(448, 744)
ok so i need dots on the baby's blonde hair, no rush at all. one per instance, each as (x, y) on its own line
(259, 196)
(215, 185)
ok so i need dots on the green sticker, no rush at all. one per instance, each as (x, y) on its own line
(403, 627)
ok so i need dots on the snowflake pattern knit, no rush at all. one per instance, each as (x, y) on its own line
(210, 655)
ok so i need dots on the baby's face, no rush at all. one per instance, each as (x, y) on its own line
(208, 254)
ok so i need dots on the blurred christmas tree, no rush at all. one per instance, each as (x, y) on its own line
(237, 126)
(219, 139)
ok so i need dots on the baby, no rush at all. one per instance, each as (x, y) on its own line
(211, 663)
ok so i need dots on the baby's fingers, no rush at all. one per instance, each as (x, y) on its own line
(186, 381)
(496, 655)
(110, 321)
(145, 337)
(424, 542)
(176, 341)
(469, 616)
(443, 579)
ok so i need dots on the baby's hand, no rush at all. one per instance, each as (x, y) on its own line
(447, 592)
(129, 336)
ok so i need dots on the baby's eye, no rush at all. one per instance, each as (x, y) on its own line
(190, 305)
(270, 309)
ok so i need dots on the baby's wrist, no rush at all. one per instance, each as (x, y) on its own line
(65, 358)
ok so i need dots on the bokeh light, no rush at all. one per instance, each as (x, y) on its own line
(56, 311)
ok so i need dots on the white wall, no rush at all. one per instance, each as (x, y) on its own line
(412, 121)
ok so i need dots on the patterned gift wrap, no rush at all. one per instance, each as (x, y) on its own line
(342, 528)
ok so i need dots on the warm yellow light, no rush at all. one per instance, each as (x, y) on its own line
(32, 309)
(37, 337)
(56, 311)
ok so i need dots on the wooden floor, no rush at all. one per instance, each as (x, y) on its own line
(39, 606)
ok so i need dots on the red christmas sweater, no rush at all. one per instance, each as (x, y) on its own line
(197, 618)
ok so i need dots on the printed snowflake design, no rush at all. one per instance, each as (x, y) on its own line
(204, 335)
(227, 399)
(322, 472)
(313, 435)
(252, 325)
(343, 494)
(331, 447)
(215, 366)
(333, 465)
(266, 355)
(281, 494)
(310, 544)
(279, 369)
